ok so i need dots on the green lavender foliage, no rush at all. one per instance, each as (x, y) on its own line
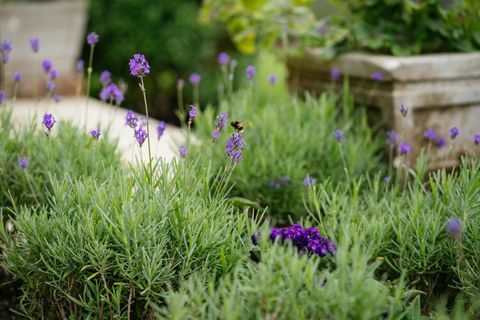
(72, 152)
(111, 249)
(292, 137)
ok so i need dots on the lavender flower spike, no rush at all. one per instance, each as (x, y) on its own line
(183, 151)
(34, 44)
(96, 134)
(454, 228)
(195, 78)
(377, 76)
(23, 163)
(48, 121)
(112, 93)
(476, 139)
(234, 147)
(3, 97)
(192, 114)
(161, 127)
(223, 58)
(80, 66)
(335, 74)
(430, 134)
(46, 65)
(404, 148)
(309, 181)
(5, 49)
(250, 72)
(93, 38)
(220, 124)
(272, 79)
(139, 66)
(403, 110)
(339, 136)
(141, 135)
(17, 77)
(105, 78)
(454, 132)
(131, 119)
(392, 138)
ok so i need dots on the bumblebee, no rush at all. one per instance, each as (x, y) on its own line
(237, 125)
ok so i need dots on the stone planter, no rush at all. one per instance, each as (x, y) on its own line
(60, 26)
(440, 90)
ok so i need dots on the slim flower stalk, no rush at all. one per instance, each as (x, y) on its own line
(92, 40)
(144, 93)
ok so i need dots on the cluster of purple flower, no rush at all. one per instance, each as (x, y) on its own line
(132, 120)
(112, 92)
(96, 134)
(5, 49)
(234, 147)
(220, 124)
(161, 127)
(309, 181)
(139, 66)
(48, 121)
(306, 240)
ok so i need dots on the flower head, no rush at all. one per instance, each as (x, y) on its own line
(3, 97)
(180, 84)
(57, 98)
(476, 139)
(195, 78)
(96, 134)
(192, 114)
(335, 74)
(309, 181)
(50, 86)
(48, 121)
(234, 147)
(404, 148)
(5, 49)
(131, 119)
(403, 110)
(183, 151)
(454, 132)
(223, 58)
(112, 93)
(392, 138)
(430, 134)
(46, 66)
(139, 66)
(339, 136)
(53, 74)
(377, 76)
(272, 79)
(387, 180)
(80, 66)
(23, 163)
(250, 72)
(93, 38)
(105, 77)
(161, 127)
(17, 77)
(454, 228)
(440, 142)
(34, 44)
(141, 135)
(220, 124)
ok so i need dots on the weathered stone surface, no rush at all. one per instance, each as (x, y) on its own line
(440, 90)
(60, 26)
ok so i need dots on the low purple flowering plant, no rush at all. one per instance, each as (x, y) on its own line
(192, 114)
(454, 228)
(35, 44)
(141, 135)
(404, 148)
(454, 132)
(195, 78)
(96, 134)
(220, 124)
(182, 151)
(440, 142)
(48, 121)
(93, 38)
(430, 134)
(234, 147)
(23, 163)
(161, 127)
(131, 119)
(139, 66)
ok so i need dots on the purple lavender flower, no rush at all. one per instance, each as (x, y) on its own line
(161, 127)
(392, 138)
(306, 240)
(112, 93)
(223, 58)
(17, 77)
(339, 136)
(454, 132)
(309, 181)
(48, 121)
(377, 76)
(272, 79)
(234, 147)
(141, 135)
(180, 84)
(53, 74)
(5, 49)
(50, 86)
(403, 110)
(335, 74)
(57, 98)
(454, 228)
(220, 124)
(131, 119)
(93, 38)
(476, 139)
(192, 114)
(105, 77)
(23, 163)
(387, 180)
(96, 134)
(404, 148)
(80, 66)
(3, 97)
(183, 151)
(430, 134)
(440, 142)
(250, 72)
(139, 66)
(46, 66)
(34, 44)
(194, 78)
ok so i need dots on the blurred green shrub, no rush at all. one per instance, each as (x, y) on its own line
(74, 153)
(173, 41)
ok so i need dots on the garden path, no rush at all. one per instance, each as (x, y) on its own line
(102, 115)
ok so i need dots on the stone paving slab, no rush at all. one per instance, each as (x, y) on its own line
(104, 116)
